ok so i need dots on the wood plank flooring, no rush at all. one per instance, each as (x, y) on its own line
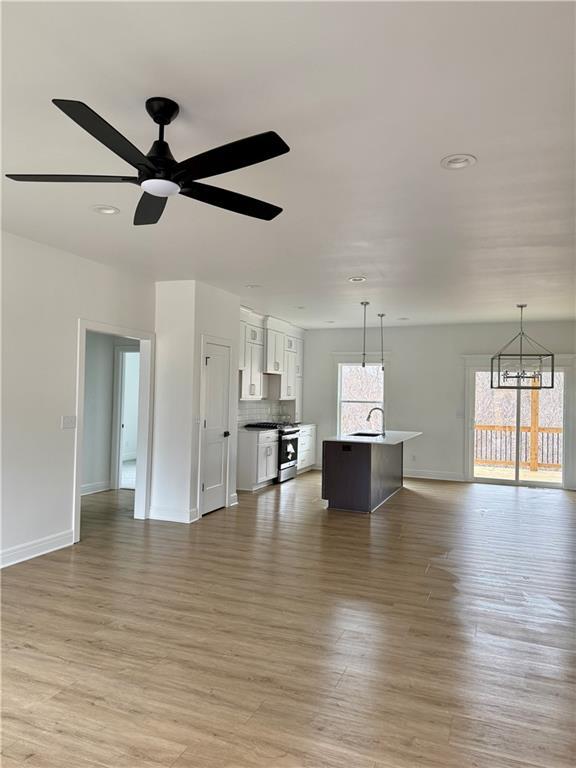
(436, 633)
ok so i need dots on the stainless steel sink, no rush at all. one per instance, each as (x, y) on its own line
(366, 434)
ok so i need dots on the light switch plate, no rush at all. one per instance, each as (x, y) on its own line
(68, 422)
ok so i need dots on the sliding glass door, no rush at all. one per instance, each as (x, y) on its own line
(518, 435)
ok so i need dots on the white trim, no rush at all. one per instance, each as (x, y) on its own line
(102, 485)
(233, 499)
(145, 402)
(434, 474)
(31, 549)
(173, 515)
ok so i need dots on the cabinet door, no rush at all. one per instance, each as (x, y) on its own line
(274, 352)
(262, 463)
(267, 462)
(272, 461)
(291, 376)
(299, 358)
(256, 368)
(279, 353)
(242, 347)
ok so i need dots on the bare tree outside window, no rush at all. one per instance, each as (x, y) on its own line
(359, 390)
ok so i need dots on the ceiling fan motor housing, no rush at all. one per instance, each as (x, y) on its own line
(162, 110)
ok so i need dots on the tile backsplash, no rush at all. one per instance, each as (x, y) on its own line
(250, 411)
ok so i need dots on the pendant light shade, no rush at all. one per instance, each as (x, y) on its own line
(364, 304)
(522, 363)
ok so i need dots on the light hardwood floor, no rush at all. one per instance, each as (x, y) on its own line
(438, 633)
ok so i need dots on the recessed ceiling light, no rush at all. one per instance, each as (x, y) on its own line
(106, 210)
(357, 279)
(458, 162)
(252, 285)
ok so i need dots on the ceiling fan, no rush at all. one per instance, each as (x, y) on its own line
(160, 176)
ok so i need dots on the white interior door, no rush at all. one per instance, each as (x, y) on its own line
(216, 427)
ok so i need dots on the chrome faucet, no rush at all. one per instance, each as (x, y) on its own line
(382, 412)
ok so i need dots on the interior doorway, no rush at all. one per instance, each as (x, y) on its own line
(518, 435)
(114, 387)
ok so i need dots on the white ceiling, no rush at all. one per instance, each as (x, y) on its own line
(369, 97)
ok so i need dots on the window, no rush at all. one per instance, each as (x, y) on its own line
(359, 390)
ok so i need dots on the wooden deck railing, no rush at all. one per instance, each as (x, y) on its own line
(540, 447)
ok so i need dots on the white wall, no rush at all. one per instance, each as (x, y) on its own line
(44, 293)
(425, 383)
(185, 310)
(130, 405)
(98, 400)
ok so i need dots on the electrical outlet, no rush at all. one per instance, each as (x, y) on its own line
(68, 422)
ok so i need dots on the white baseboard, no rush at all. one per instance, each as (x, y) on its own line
(233, 500)
(173, 515)
(102, 485)
(433, 474)
(21, 552)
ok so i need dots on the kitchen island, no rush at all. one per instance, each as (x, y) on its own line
(361, 471)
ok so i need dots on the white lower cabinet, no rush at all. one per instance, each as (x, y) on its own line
(257, 458)
(307, 447)
(267, 462)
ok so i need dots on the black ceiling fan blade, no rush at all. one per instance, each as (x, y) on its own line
(71, 177)
(149, 209)
(97, 127)
(237, 154)
(231, 201)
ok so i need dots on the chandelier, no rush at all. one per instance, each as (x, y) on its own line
(523, 363)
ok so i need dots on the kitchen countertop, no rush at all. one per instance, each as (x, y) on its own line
(393, 437)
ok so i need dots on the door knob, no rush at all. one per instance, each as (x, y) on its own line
(226, 434)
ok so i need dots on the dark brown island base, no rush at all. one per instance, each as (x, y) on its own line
(359, 472)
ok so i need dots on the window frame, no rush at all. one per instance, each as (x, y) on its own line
(375, 403)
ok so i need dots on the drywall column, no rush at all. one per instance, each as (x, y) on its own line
(173, 401)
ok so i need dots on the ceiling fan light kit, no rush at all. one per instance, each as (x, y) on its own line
(159, 175)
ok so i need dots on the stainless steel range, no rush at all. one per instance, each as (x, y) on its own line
(288, 435)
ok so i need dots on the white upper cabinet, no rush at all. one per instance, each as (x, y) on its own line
(299, 358)
(251, 355)
(291, 342)
(254, 334)
(242, 347)
(275, 341)
(288, 378)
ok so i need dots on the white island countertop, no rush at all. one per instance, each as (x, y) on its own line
(393, 437)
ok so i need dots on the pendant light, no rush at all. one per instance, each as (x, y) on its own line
(364, 304)
(522, 363)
